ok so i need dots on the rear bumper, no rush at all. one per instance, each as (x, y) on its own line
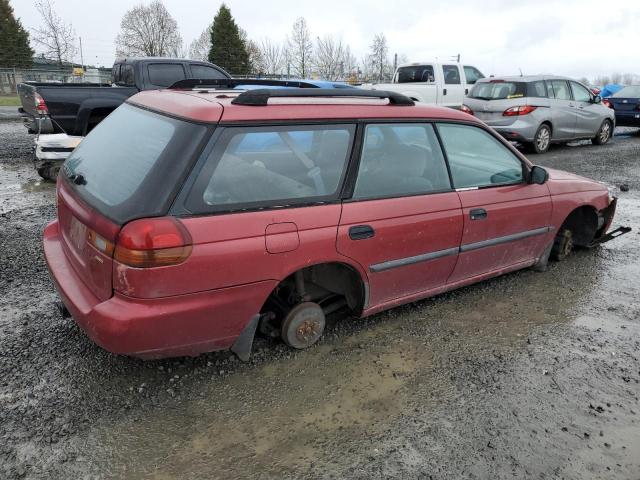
(154, 328)
(518, 131)
(38, 124)
(628, 119)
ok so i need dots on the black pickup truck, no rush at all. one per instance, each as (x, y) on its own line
(75, 108)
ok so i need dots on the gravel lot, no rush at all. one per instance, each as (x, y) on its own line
(531, 375)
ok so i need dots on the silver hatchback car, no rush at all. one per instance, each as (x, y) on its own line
(540, 110)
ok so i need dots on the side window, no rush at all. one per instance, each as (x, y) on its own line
(115, 74)
(203, 71)
(472, 74)
(537, 89)
(400, 159)
(560, 89)
(451, 74)
(127, 77)
(415, 74)
(165, 74)
(271, 166)
(477, 159)
(580, 94)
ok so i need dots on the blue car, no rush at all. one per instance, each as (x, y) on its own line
(317, 83)
(626, 104)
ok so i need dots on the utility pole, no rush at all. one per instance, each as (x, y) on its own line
(395, 62)
(81, 56)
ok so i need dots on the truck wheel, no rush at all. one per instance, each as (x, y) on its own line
(542, 139)
(562, 245)
(49, 171)
(604, 133)
(303, 325)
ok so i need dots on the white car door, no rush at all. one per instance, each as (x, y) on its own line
(452, 87)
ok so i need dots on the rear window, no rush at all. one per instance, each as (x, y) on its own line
(628, 92)
(203, 71)
(132, 162)
(498, 90)
(413, 74)
(262, 167)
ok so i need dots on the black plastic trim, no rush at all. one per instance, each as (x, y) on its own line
(506, 239)
(402, 262)
(230, 83)
(260, 97)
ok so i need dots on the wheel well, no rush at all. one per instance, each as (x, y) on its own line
(96, 116)
(548, 124)
(333, 285)
(583, 223)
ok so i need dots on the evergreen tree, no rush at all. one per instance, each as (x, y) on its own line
(14, 40)
(228, 50)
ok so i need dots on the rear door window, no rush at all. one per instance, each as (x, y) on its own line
(477, 159)
(400, 160)
(132, 162)
(203, 71)
(165, 74)
(261, 167)
(559, 89)
(451, 74)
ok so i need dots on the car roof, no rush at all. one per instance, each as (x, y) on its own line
(214, 106)
(524, 78)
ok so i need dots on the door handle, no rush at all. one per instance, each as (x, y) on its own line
(444, 91)
(466, 91)
(361, 232)
(478, 214)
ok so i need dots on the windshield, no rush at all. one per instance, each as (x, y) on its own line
(632, 91)
(413, 74)
(130, 165)
(498, 90)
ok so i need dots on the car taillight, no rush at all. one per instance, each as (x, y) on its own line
(606, 103)
(521, 110)
(153, 242)
(466, 109)
(41, 107)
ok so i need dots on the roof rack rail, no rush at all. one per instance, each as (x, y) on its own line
(229, 83)
(260, 97)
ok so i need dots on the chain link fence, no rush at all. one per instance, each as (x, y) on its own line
(11, 77)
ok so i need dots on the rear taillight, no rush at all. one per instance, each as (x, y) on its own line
(153, 242)
(607, 103)
(466, 109)
(521, 110)
(41, 107)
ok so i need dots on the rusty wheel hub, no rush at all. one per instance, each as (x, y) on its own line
(303, 325)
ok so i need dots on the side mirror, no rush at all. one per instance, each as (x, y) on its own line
(538, 175)
(597, 99)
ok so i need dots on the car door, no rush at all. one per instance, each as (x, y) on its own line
(563, 111)
(589, 116)
(452, 88)
(403, 221)
(506, 220)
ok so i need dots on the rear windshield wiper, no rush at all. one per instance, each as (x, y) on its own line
(78, 179)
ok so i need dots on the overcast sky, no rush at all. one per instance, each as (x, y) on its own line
(573, 37)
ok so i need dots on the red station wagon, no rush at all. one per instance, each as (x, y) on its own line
(191, 218)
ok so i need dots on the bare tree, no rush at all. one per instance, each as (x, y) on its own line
(329, 58)
(350, 63)
(199, 48)
(149, 31)
(55, 36)
(616, 77)
(379, 57)
(300, 48)
(273, 57)
(628, 79)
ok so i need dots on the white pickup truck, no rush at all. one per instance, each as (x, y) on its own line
(443, 84)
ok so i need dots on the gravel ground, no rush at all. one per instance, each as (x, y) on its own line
(531, 375)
